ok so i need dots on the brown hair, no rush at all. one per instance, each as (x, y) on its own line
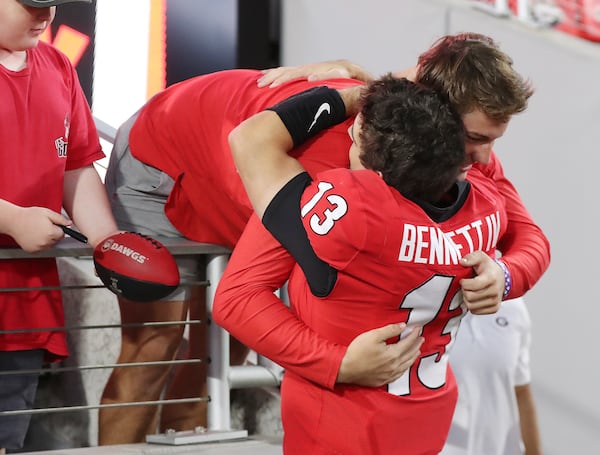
(412, 135)
(471, 70)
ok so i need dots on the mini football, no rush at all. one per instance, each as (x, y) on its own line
(136, 266)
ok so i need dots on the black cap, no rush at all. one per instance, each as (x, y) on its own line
(44, 3)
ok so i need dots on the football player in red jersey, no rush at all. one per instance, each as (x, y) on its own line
(439, 69)
(375, 245)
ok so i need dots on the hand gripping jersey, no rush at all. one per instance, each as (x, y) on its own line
(394, 264)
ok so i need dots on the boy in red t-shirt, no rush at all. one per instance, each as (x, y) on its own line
(49, 142)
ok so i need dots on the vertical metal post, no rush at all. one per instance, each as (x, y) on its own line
(219, 417)
(219, 414)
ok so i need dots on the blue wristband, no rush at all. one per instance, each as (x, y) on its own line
(507, 278)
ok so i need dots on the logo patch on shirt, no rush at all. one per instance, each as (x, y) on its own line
(61, 147)
(61, 143)
(502, 321)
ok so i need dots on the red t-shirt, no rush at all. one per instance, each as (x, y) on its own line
(46, 129)
(183, 132)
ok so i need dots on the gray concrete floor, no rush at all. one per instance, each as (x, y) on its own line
(250, 446)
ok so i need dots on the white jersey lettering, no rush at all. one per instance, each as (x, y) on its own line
(430, 245)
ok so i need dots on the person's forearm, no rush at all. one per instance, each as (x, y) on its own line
(7, 214)
(526, 253)
(263, 323)
(351, 97)
(246, 307)
(525, 248)
(260, 147)
(86, 202)
(332, 69)
(528, 420)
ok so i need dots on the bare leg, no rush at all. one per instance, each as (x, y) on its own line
(190, 379)
(237, 352)
(132, 424)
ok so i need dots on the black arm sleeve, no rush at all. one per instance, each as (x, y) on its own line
(282, 219)
(309, 112)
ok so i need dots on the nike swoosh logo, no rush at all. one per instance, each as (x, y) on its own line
(322, 108)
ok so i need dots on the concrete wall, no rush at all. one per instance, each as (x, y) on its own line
(550, 152)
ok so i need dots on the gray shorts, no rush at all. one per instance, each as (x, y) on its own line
(17, 392)
(138, 194)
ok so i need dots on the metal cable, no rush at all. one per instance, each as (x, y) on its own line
(105, 326)
(87, 286)
(102, 367)
(101, 406)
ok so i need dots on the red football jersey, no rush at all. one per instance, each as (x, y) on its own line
(394, 265)
(47, 128)
(246, 306)
(183, 131)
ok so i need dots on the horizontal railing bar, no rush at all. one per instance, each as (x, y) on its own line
(105, 131)
(245, 376)
(69, 247)
(101, 406)
(53, 288)
(105, 326)
(102, 367)
(87, 286)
